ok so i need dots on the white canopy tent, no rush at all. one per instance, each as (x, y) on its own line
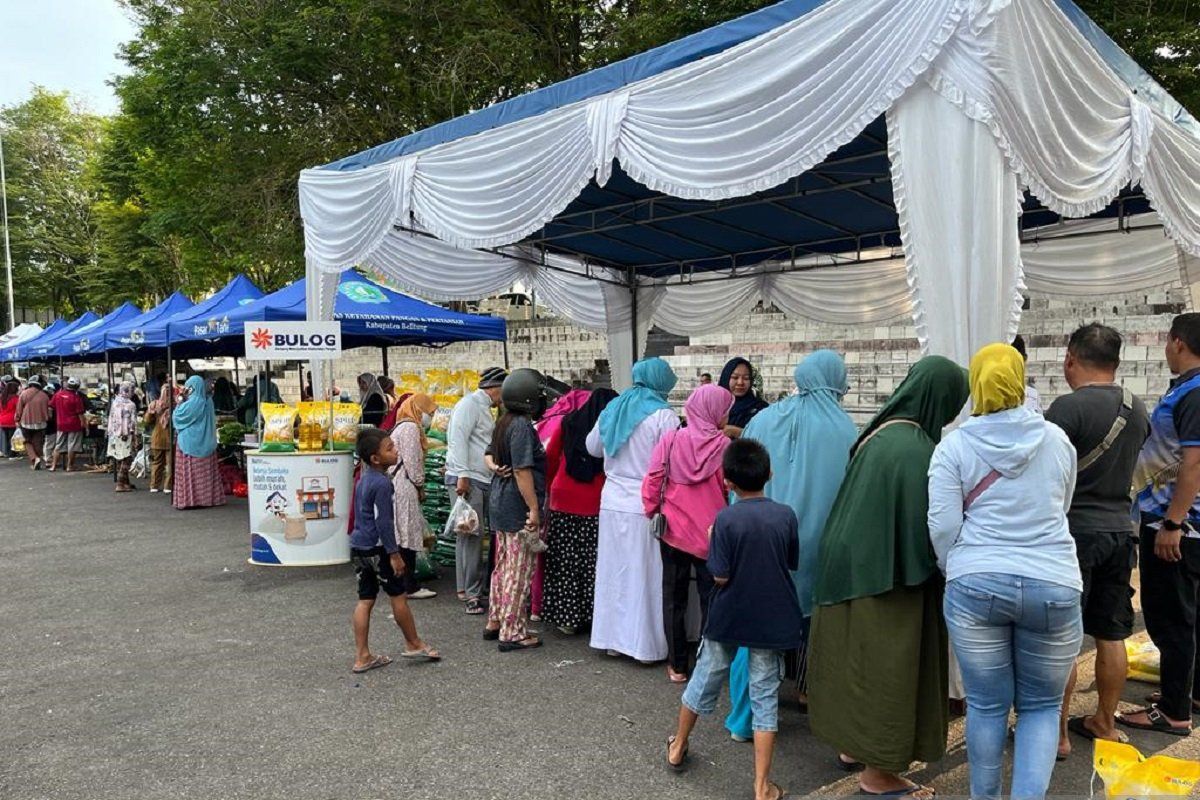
(792, 156)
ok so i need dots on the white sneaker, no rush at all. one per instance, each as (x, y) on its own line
(153, 491)
(422, 594)
(166, 491)
(738, 739)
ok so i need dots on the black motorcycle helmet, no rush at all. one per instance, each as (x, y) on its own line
(527, 391)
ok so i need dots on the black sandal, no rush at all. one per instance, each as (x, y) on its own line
(849, 766)
(490, 635)
(529, 643)
(1158, 722)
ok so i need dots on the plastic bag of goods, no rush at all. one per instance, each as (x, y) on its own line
(278, 420)
(314, 426)
(1143, 661)
(17, 442)
(463, 520)
(441, 419)
(1127, 773)
(346, 417)
(467, 380)
(436, 381)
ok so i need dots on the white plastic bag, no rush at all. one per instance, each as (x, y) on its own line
(141, 464)
(17, 442)
(463, 520)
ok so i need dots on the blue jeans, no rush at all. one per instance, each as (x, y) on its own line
(712, 669)
(1016, 640)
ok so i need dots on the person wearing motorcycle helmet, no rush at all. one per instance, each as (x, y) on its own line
(518, 493)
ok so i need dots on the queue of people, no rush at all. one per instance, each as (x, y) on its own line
(960, 521)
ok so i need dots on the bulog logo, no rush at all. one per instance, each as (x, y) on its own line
(267, 341)
(263, 338)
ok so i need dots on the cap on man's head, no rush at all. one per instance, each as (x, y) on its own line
(34, 380)
(72, 383)
(492, 377)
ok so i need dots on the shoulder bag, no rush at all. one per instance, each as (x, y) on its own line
(658, 522)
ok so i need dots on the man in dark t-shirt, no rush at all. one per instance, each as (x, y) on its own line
(1099, 516)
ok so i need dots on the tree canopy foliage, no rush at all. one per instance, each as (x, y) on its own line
(225, 101)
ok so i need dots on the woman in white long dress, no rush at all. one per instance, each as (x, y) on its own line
(628, 616)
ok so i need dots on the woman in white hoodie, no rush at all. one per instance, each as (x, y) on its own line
(999, 490)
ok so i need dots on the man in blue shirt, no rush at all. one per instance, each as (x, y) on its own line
(755, 548)
(1167, 480)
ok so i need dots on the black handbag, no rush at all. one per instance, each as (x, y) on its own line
(658, 522)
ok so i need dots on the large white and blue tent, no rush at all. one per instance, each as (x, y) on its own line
(43, 346)
(846, 160)
(86, 342)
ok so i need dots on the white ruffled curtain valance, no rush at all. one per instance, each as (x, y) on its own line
(761, 112)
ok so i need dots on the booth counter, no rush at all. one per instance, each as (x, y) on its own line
(299, 507)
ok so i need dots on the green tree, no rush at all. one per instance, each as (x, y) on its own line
(48, 148)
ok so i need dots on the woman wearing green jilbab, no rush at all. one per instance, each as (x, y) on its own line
(878, 662)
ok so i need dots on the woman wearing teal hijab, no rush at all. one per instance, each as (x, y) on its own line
(808, 437)
(197, 475)
(628, 614)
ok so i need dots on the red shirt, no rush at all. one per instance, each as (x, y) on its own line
(568, 495)
(68, 409)
(8, 414)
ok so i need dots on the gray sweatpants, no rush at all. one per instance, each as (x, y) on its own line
(468, 550)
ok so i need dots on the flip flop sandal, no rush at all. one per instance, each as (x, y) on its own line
(374, 663)
(676, 677)
(1158, 723)
(682, 765)
(1076, 726)
(490, 635)
(849, 766)
(425, 654)
(908, 791)
(524, 644)
(474, 608)
(781, 792)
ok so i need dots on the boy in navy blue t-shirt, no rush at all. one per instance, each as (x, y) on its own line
(375, 553)
(755, 548)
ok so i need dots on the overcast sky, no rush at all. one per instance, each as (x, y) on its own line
(63, 45)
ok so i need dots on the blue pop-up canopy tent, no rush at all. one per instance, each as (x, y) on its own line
(143, 333)
(209, 318)
(77, 344)
(43, 346)
(17, 351)
(371, 315)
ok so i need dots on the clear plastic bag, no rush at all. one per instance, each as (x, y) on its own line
(463, 520)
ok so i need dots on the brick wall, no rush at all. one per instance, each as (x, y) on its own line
(877, 356)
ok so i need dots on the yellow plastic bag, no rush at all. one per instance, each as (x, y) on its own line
(278, 436)
(346, 418)
(1127, 773)
(1143, 661)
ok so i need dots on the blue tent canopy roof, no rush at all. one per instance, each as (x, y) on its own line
(372, 316)
(45, 345)
(77, 345)
(843, 205)
(144, 331)
(19, 351)
(208, 317)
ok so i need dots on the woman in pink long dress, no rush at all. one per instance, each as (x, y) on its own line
(408, 480)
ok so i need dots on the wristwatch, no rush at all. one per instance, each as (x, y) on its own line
(1172, 526)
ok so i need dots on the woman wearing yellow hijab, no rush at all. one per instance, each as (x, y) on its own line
(408, 480)
(999, 490)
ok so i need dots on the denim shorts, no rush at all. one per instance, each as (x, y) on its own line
(712, 673)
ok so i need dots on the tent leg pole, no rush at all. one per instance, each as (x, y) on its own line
(109, 369)
(506, 352)
(237, 378)
(634, 317)
(300, 377)
(386, 369)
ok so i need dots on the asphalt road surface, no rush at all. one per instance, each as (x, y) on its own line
(144, 658)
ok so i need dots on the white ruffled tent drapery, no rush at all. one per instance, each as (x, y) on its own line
(982, 97)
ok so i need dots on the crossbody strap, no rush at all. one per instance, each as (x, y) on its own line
(1123, 415)
(400, 464)
(887, 424)
(984, 484)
